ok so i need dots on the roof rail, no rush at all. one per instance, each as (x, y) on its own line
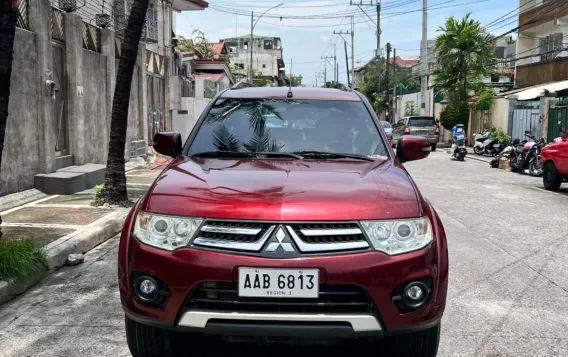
(242, 85)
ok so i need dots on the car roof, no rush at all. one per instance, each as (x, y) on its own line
(297, 92)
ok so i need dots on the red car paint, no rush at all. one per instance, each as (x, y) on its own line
(555, 156)
(273, 190)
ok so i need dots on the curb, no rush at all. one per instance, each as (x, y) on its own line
(20, 198)
(78, 242)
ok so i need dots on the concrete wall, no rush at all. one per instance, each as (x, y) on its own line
(499, 114)
(30, 134)
(401, 104)
(95, 103)
(184, 123)
(20, 158)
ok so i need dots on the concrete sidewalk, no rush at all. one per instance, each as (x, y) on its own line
(68, 224)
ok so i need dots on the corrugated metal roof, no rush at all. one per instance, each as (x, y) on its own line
(536, 91)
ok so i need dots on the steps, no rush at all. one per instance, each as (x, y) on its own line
(71, 179)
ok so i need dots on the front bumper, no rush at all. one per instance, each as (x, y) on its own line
(376, 273)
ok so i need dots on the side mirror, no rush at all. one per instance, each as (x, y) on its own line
(527, 132)
(168, 143)
(411, 148)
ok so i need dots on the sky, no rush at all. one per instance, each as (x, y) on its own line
(306, 40)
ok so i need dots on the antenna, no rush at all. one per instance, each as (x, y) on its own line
(290, 94)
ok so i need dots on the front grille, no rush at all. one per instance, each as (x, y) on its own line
(244, 232)
(322, 233)
(334, 299)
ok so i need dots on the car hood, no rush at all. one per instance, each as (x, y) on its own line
(284, 190)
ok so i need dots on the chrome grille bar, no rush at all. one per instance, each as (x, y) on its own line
(325, 247)
(330, 232)
(225, 244)
(231, 230)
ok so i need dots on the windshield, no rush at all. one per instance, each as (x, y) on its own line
(421, 121)
(386, 124)
(259, 125)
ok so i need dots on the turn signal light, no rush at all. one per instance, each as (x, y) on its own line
(406, 130)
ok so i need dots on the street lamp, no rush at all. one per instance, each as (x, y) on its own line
(252, 26)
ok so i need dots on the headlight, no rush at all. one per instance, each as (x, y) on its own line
(400, 236)
(165, 232)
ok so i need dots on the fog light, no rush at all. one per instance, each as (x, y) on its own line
(415, 295)
(146, 289)
(147, 286)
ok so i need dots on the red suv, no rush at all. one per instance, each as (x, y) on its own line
(554, 158)
(285, 217)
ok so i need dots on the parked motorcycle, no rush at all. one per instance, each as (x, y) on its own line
(535, 165)
(486, 145)
(458, 147)
(523, 154)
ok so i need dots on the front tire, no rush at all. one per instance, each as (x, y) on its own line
(551, 178)
(148, 341)
(534, 168)
(478, 150)
(433, 147)
(416, 344)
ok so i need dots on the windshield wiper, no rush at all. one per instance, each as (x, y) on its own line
(280, 154)
(332, 155)
(224, 154)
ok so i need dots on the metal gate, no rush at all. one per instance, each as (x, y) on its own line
(156, 118)
(557, 118)
(525, 119)
(59, 112)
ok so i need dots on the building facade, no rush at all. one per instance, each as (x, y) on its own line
(267, 53)
(541, 46)
(63, 79)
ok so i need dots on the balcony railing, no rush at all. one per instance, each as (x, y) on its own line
(23, 20)
(542, 72)
(57, 32)
(549, 11)
(91, 37)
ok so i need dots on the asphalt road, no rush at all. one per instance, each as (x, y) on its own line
(508, 279)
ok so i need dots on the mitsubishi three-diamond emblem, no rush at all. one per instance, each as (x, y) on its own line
(280, 239)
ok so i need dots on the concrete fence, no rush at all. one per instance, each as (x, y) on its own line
(61, 95)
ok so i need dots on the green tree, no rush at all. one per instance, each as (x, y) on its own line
(296, 81)
(410, 108)
(465, 55)
(114, 189)
(197, 42)
(333, 84)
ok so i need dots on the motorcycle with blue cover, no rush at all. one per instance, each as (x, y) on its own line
(459, 150)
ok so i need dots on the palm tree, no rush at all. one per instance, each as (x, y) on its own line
(8, 19)
(464, 54)
(114, 190)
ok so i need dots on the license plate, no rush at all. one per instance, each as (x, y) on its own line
(290, 283)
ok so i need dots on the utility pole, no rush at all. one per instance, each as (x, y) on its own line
(325, 64)
(347, 63)
(335, 63)
(377, 3)
(424, 110)
(250, 43)
(352, 33)
(394, 106)
(387, 75)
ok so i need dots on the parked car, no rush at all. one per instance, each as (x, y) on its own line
(554, 158)
(417, 125)
(283, 234)
(388, 129)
